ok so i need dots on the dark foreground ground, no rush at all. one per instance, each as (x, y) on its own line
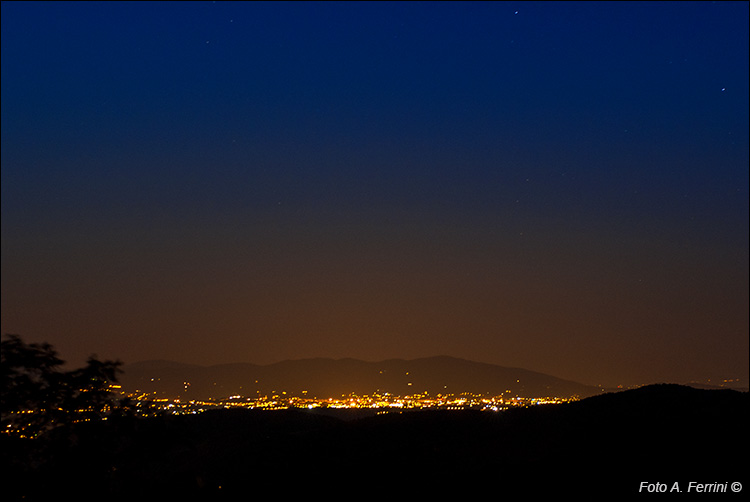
(600, 448)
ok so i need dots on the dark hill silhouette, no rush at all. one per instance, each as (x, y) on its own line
(324, 378)
(600, 448)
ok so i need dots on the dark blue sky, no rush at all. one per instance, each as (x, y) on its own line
(558, 186)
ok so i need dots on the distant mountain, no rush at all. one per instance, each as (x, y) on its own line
(732, 385)
(323, 378)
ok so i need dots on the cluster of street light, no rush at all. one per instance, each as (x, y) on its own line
(377, 402)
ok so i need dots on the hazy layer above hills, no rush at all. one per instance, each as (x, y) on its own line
(323, 378)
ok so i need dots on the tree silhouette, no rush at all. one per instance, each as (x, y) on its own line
(37, 395)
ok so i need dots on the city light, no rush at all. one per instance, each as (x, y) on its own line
(148, 403)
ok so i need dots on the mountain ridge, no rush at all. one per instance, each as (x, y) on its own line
(328, 377)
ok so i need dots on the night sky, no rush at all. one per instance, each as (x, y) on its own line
(561, 187)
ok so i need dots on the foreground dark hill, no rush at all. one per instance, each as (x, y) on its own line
(324, 378)
(600, 448)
